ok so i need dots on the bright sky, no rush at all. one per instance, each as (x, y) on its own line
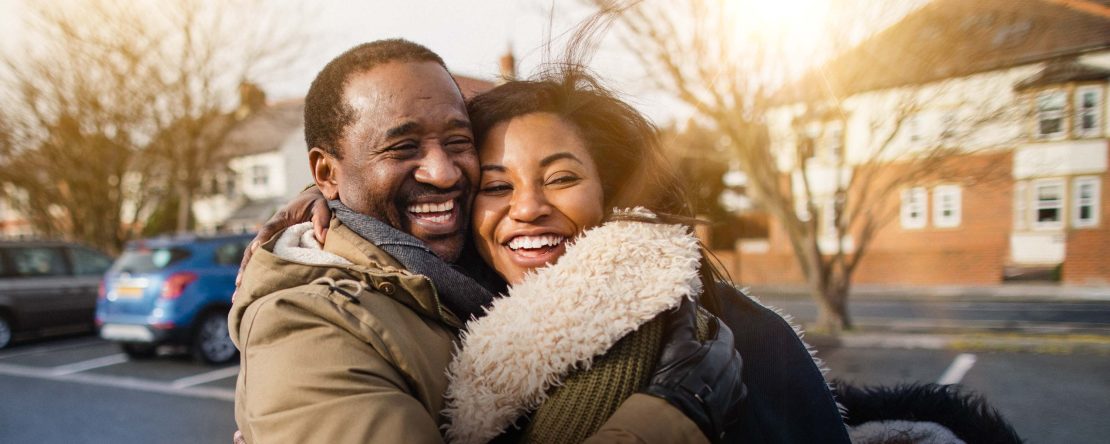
(471, 36)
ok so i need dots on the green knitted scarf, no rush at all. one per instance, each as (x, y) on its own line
(587, 397)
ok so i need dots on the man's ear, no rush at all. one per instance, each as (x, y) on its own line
(325, 171)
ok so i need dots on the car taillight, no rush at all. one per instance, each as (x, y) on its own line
(175, 284)
(102, 291)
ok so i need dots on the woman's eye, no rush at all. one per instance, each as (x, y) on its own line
(496, 189)
(563, 179)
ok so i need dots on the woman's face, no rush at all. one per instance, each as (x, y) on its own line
(539, 188)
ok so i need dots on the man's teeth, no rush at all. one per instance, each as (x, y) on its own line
(530, 242)
(432, 207)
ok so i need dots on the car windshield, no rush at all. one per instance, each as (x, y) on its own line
(148, 260)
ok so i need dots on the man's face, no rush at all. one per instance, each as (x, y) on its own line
(409, 159)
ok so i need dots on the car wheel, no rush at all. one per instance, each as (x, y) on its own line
(5, 332)
(138, 351)
(211, 342)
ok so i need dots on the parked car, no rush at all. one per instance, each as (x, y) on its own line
(172, 291)
(45, 284)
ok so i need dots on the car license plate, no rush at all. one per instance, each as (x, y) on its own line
(129, 292)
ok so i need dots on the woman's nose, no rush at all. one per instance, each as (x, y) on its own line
(529, 204)
(438, 169)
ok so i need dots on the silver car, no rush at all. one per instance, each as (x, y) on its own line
(44, 285)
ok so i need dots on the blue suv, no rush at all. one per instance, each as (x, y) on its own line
(172, 291)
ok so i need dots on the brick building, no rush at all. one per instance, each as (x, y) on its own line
(1026, 195)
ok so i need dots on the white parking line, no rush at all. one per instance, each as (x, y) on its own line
(54, 348)
(202, 378)
(119, 382)
(957, 369)
(89, 365)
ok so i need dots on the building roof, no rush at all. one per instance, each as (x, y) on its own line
(1064, 71)
(955, 38)
(267, 128)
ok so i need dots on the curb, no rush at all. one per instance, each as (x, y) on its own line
(962, 294)
(999, 342)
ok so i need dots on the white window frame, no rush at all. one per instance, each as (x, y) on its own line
(260, 175)
(1078, 203)
(1096, 111)
(1062, 114)
(914, 197)
(952, 220)
(1037, 206)
(1021, 210)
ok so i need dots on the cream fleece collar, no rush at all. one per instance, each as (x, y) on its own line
(612, 279)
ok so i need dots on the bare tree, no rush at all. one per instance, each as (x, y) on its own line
(113, 107)
(787, 130)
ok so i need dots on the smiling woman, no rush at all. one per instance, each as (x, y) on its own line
(539, 188)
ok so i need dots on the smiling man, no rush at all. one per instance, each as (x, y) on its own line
(349, 342)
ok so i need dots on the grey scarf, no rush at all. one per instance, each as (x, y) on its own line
(461, 294)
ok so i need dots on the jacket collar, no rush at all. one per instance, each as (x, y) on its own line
(413, 290)
(269, 272)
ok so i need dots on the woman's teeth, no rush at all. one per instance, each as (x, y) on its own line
(532, 242)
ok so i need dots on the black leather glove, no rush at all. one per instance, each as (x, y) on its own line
(702, 379)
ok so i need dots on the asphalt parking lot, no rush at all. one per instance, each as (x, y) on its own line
(82, 389)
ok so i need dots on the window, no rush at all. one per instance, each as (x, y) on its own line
(89, 263)
(260, 175)
(947, 206)
(230, 181)
(1085, 201)
(913, 208)
(1019, 205)
(1050, 114)
(37, 261)
(1048, 203)
(1088, 118)
(231, 253)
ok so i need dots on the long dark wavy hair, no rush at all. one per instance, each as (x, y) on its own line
(622, 142)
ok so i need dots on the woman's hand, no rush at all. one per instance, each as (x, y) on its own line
(310, 205)
(700, 378)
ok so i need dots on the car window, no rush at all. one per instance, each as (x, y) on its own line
(5, 270)
(145, 260)
(37, 261)
(88, 262)
(230, 253)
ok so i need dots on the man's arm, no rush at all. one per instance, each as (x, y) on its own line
(305, 379)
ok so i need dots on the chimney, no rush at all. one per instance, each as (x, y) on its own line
(251, 99)
(508, 65)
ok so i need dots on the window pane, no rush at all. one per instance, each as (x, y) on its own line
(230, 253)
(1085, 212)
(1048, 215)
(38, 261)
(88, 262)
(1048, 193)
(141, 260)
(1050, 125)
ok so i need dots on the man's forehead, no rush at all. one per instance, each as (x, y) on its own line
(402, 87)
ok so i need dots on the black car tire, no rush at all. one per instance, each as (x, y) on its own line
(211, 342)
(138, 351)
(5, 332)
